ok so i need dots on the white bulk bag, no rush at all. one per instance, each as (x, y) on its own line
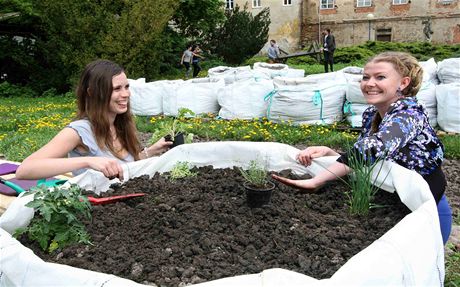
(410, 254)
(354, 93)
(270, 71)
(352, 74)
(354, 113)
(244, 99)
(448, 104)
(337, 77)
(299, 101)
(147, 98)
(427, 96)
(430, 71)
(231, 74)
(449, 71)
(198, 95)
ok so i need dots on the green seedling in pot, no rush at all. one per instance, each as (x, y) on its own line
(171, 129)
(256, 175)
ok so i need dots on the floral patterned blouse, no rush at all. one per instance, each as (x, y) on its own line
(404, 136)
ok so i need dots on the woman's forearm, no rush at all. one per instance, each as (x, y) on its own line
(38, 168)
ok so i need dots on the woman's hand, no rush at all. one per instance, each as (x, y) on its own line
(110, 167)
(159, 147)
(306, 185)
(307, 155)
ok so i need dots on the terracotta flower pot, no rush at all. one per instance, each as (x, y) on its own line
(178, 139)
(258, 197)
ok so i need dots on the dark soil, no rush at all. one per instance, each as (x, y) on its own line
(200, 228)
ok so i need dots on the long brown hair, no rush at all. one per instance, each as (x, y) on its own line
(94, 92)
(407, 66)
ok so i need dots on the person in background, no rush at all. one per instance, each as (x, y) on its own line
(273, 52)
(328, 50)
(103, 136)
(395, 127)
(186, 60)
(196, 60)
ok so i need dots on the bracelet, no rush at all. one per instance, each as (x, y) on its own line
(145, 152)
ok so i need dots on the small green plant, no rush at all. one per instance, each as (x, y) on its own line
(256, 175)
(56, 223)
(362, 187)
(181, 169)
(172, 127)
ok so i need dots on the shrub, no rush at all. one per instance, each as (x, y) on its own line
(241, 36)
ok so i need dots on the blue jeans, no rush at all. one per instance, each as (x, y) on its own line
(445, 218)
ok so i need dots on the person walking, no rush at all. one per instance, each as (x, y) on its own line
(196, 60)
(395, 127)
(186, 60)
(273, 52)
(328, 50)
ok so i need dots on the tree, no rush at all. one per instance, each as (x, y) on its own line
(242, 35)
(64, 35)
(196, 19)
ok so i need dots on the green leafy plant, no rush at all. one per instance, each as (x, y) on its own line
(181, 169)
(256, 175)
(172, 127)
(56, 223)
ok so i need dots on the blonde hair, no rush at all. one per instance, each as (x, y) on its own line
(407, 66)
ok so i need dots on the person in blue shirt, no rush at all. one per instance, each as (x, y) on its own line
(103, 137)
(273, 52)
(395, 127)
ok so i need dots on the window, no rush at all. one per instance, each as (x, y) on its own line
(383, 35)
(397, 2)
(327, 4)
(228, 4)
(256, 3)
(287, 2)
(364, 3)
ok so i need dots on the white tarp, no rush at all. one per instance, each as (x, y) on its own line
(269, 71)
(301, 101)
(410, 254)
(198, 95)
(244, 99)
(449, 71)
(448, 104)
(147, 98)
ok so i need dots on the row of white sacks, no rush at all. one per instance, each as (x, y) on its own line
(409, 254)
(280, 93)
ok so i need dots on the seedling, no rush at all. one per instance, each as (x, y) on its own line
(173, 127)
(56, 223)
(256, 175)
(181, 169)
(362, 187)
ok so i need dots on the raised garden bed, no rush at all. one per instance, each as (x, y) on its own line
(200, 228)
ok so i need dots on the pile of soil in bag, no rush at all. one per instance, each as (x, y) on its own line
(200, 228)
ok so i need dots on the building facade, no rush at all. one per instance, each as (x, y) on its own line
(298, 22)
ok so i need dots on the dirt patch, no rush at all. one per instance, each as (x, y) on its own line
(200, 229)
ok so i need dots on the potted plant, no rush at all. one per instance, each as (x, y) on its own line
(174, 129)
(258, 187)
